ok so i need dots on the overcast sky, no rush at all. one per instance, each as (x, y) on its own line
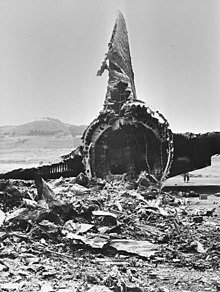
(51, 50)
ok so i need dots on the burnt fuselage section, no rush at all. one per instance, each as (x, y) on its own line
(128, 136)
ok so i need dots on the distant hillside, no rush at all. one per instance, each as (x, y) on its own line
(43, 127)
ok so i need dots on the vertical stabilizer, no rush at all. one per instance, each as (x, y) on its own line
(118, 63)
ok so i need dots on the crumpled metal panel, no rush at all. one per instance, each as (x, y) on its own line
(118, 55)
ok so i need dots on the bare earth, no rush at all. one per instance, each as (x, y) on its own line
(31, 151)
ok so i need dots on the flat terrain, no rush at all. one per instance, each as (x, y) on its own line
(31, 151)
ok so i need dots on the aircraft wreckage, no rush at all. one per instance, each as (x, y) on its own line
(128, 136)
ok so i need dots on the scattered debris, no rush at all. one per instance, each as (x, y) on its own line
(109, 226)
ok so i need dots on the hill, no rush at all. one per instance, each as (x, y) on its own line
(43, 127)
(42, 141)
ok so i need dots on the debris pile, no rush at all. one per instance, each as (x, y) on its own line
(105, 234)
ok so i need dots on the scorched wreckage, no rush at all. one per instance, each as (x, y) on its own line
(128, 136)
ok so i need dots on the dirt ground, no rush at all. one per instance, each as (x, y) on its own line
(32, 151)
(117, 236)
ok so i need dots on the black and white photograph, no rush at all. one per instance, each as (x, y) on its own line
(109, 145)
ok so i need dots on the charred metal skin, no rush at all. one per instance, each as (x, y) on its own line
(128, 136)
(130, 141)
(193, 151)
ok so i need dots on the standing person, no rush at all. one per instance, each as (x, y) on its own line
(186, 177)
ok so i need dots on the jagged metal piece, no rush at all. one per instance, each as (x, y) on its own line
(119, 62)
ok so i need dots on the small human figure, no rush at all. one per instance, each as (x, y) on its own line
(186, 177)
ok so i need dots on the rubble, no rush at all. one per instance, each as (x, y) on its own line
(109, 224)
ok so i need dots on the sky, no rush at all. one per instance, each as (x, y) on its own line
(51, 50)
